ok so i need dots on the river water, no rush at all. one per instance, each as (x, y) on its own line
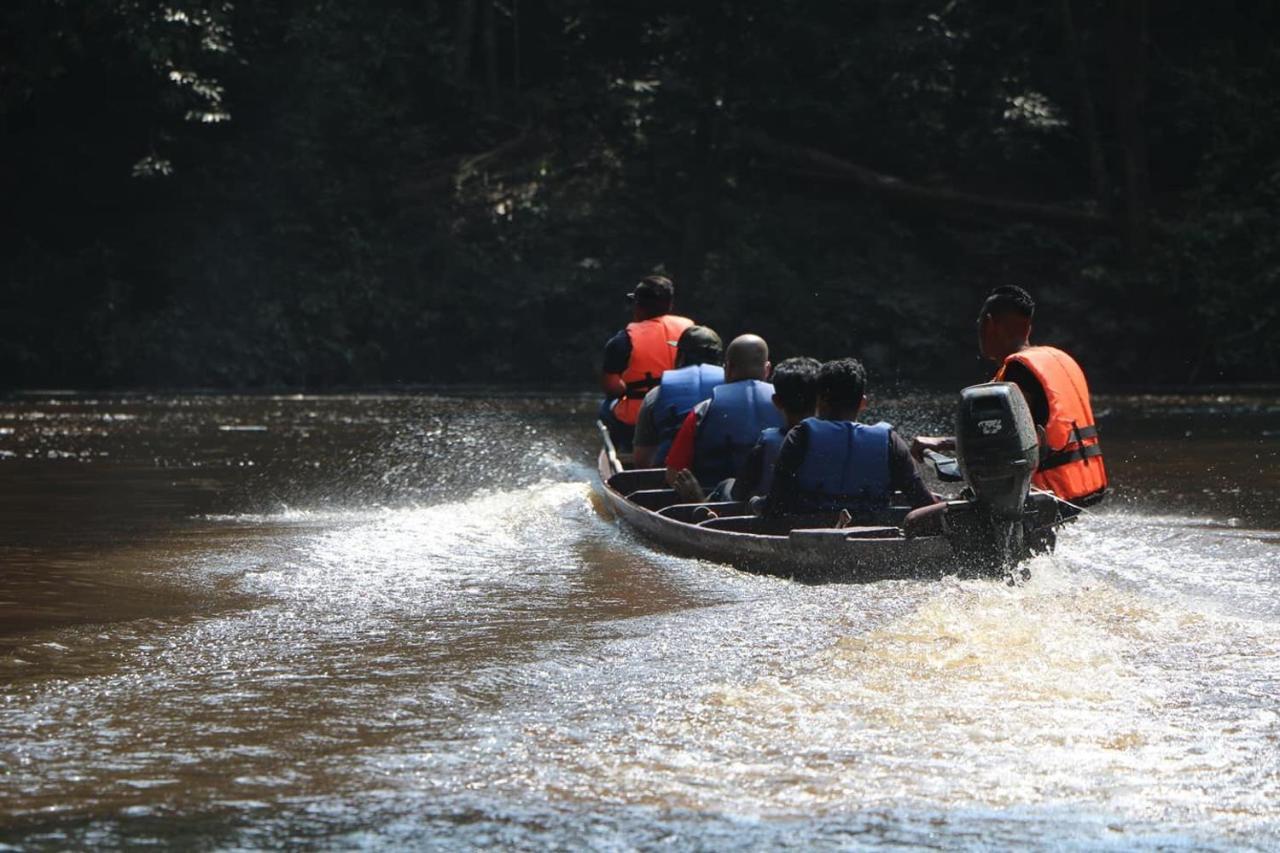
(368, 621)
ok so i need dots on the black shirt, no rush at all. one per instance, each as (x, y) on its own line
(785, 497)
(1031, 389)
(752, 474)
(617, 353)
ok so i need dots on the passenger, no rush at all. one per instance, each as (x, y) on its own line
(698, 359)
(795, 385)
(636, 357)
(715, 438)
(831, 463)
(1056, 392)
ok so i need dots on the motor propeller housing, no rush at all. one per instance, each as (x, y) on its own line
(997, 447)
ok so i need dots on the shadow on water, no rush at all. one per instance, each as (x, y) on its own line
(361, 621)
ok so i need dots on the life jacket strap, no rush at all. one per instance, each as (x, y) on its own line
(643, 385)
(1066, 457)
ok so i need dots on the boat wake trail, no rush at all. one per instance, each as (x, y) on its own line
(1196, 562)
(538, 542)
(1078, 700)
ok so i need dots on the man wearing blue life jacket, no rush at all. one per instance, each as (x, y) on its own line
(795, 393)
(831, 462)
(715, 438)
(699, 355)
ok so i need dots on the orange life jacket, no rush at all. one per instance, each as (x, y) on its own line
(1071, 466)
(653, 351)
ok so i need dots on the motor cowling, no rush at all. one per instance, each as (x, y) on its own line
(997, 447)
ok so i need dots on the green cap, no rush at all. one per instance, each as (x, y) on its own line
(701, 341)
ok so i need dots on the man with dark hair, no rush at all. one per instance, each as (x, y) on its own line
(697, 372)
(795, 394)
(636, 357)
(715, 438)
(831, 462)
(1056, 392)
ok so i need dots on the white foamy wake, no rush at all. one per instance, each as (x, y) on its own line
(1080, 690)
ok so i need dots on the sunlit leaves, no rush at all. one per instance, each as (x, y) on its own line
(152, 166)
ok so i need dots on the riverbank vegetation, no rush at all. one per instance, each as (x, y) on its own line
(207, 193)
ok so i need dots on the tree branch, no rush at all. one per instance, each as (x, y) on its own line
(1087, 111)
(804, 160)
(447, 173)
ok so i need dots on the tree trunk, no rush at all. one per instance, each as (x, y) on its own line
(1129, 45)
(701, 209)
(515, 45)
(1099, 180)
(463, 38)
(490, 49)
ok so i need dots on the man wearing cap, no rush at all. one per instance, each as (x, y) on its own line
(636, 357)
(698, 358)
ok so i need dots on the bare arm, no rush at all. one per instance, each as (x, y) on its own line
(904, 475)
(936, 443)
(612, 385)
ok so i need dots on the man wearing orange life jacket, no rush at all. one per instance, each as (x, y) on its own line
(636, 357)
(1057, 394)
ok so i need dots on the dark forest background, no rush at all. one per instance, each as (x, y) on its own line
(267, 192)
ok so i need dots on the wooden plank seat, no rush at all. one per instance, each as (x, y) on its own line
(742, 524)
(637, 479)
(817, 526)
(780, 526)
(689, 513)
(653, 499)
(844, 533)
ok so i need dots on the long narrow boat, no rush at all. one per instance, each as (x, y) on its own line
(728, 533)
(993, 541)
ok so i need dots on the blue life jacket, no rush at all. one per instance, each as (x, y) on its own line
(771, 439)
(846, 466)
(680, 391)
(734, 419)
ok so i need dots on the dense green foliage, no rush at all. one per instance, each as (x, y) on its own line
(278, 193)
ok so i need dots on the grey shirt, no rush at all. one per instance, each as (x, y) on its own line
(646, 429)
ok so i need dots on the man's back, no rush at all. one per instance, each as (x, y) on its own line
(829, 465)
(651, 351)
(680, 391)
(735, 416)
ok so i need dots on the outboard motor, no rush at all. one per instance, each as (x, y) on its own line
(998, 451)
(997, 447)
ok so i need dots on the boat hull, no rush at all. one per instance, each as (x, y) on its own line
(820, 554)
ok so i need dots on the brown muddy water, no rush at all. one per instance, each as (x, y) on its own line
(372, 621)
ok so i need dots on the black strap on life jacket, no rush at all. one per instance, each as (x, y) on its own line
(643, 386)
(1079, 453)
(1065, 457)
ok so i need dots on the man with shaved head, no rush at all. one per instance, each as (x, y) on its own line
(716, 437)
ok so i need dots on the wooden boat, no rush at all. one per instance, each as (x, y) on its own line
(804, 549)
(991, 531)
